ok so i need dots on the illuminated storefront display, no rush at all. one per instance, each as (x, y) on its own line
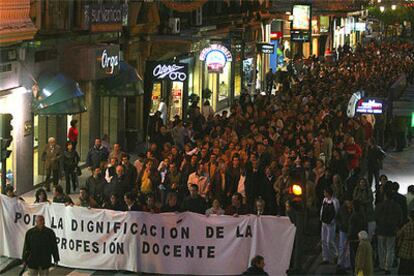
(217, 74)
(301, 17)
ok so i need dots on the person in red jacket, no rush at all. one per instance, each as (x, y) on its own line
(73, 133)
(354, 153)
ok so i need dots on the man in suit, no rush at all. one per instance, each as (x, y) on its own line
(51, 156)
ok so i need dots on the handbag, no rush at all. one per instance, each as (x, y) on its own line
(78, 171)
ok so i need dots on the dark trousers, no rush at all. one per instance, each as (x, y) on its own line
(373, 173)
(353, 246)
(70, 176)
(269, 86)
(54, 173)
(406, 267)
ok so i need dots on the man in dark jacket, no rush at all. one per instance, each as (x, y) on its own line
(39, 245)
(194, 202)
(388, 216)
(95, 185)
(97, 154)
(131, 173)
(342, 221)
(401, 200)
(374, 161)
(118, 185)
(256, 266)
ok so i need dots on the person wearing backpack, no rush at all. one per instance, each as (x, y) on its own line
(329, 209)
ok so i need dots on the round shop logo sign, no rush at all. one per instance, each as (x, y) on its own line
(216, 56)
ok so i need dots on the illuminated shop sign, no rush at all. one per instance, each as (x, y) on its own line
(216, 56)
(369, 106)
(301, 17)
(173, 72)
(109, 62)
(266, 48)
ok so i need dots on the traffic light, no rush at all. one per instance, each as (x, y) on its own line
(5, 135)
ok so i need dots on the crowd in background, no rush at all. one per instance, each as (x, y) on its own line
(245, 160)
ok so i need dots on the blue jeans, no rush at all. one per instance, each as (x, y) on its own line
(386, 252)
(343, 258)
(329, 251)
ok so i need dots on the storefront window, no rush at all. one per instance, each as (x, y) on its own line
(36, 174)
(237, 80)
(224, 86)
(8, 102)
(155, 97)
(248, 72)
(176, 99)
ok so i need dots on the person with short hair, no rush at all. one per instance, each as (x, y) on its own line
(194, 202)
(364, 256)
(73, 133)
(215, 208)
(388, 217)
(85, 200)
(131, 203)
(236, 207)
(51, 157)
(39, 246)
(95, 185)
(405, 247)
(97, 154)
(257, 265)
(60, 197)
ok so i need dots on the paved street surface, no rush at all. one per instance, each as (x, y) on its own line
(399, 167)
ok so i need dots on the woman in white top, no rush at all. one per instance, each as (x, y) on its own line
(207, 110)
(215, 209)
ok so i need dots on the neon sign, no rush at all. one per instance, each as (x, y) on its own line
(216, 57)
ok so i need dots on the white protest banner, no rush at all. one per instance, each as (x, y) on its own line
(182, 243)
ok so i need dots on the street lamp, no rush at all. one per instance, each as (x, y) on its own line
(382, 8)
(393, 7)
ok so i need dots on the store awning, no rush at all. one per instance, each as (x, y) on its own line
(126, 83)
(58, 95)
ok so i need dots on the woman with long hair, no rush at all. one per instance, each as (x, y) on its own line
(41, 196)
(70, 166)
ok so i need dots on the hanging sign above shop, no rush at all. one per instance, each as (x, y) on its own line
(369, 106)
(103, 17)
(276, 35)
(109, 63)
(216, 56)
(109, 60)
(173, 72)
(266, 48)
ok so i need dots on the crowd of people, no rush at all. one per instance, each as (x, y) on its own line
(245, 160)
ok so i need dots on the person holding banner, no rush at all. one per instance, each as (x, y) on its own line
(256, 266)
(39, 245)
(194, 202)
